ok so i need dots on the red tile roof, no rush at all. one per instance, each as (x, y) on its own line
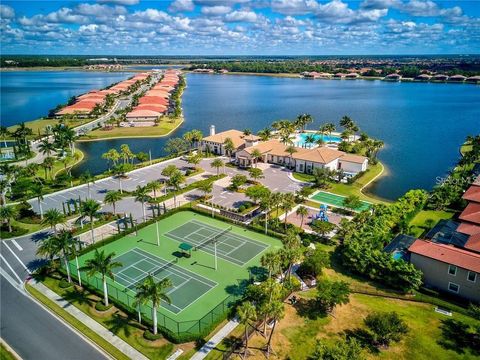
(447, 254)
(159, 108)
(472, 193)
(471, 213)
(143, 113)
(468, 228)
(153, 100)
(473, 243)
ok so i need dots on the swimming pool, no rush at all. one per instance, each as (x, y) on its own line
(300, 139)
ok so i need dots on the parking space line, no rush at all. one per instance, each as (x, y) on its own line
(16, 245)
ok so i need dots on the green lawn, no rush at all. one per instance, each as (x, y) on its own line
(419, 224)
(5, 354)
(228, 277)
(164, 128)
(421, 342)
(39, 125)
(356, 187)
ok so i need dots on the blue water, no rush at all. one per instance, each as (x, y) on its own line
(422, 124)
(28, 95)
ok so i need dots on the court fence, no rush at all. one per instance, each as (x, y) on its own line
(174, 330)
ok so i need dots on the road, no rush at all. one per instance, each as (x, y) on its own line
(30, 330)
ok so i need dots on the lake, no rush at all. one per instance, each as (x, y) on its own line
(422, 124)
(28, 95)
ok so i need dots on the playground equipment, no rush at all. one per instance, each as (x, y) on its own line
(322, 214)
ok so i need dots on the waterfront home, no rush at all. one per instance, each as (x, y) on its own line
(439, 77)
(143, 115)
(423, 77)
(339, 76)
(457, 78)
(302, 160)
(147, 99)
(473, 79)
(393, 77)
(351, 75)
(447, 268)
(215, 142)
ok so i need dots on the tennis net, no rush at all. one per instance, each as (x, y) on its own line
(164, 267)
(213, 238)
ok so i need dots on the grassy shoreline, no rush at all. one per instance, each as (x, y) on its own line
(116, 133)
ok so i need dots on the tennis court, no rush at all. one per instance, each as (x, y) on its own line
(187, 286)
(336, 200)
(231, 247)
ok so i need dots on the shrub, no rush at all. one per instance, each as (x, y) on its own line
(99, 306)
(385, 327)
(148, 335)
(314, 263)
(346, 349)
(64, 284)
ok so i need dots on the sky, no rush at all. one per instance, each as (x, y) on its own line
(240, 27)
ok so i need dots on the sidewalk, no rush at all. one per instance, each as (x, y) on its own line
(215, 340)
(92, 324)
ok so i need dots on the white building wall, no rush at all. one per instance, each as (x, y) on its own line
(352, 167)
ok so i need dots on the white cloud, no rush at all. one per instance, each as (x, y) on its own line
(120, 2)
(6, 12)
(242, 16)
(294, 7)
(181, 5)
(216, 10)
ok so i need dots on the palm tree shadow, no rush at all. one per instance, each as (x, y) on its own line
(237, 289)
(78, 297)
(119, 322)
(309, 309)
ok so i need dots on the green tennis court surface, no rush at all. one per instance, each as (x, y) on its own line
(200, 294)
(336, 200)
(187, 286)
(235, 248)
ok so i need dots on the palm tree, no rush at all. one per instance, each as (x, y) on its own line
(154, 186)
(90, 208)
(206, 188)
(88, 179)
(246, 314)
(74, 250)
(266, 204)
(346, 122)
(217, 163)
(104, 265)
(310, 139)
(255, 154)
(291, 150)
(277, 199)
(141, 195)
(111, 197)
(247, 132)
(7, 213)
(112, 156)
(46, 147)
(53, 217)
(303, 120)
(271, 261)
(48, 163)
(155, 292)
(37, 191)
(330, 128)
(276, 310)
(265, 134)
(4, 133)
(288, 202)
(175, 180)
(229, 146)
(126, 153)
(62, 243)
(302, 211)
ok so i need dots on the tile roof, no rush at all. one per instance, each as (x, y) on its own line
(159, 108)
(235, 135)
(353, 158)
(472, 193)
(471, 213)
(447, 254)
(322, 155)
(143, 113)
(473, 243)
(468, 228)
(153, 100)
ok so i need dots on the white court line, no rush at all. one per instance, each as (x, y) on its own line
(16, 245)
(14, 273)
(184, 272)
(16, 257)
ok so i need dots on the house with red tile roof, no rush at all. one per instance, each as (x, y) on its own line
(448, 268)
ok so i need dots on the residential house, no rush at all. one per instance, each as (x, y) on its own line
(215, 142)
(447, 268)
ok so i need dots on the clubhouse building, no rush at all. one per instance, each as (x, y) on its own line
(275, 152)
